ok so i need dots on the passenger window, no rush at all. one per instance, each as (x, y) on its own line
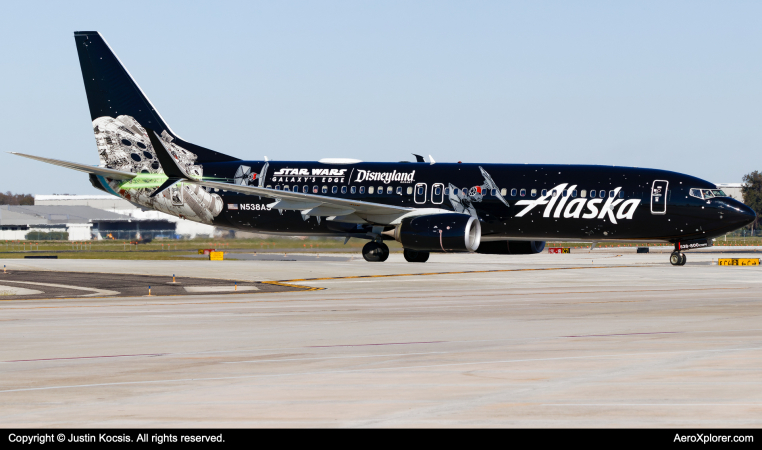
(513, 192)
(389, 190)
(574, 193)
(447, 191)
(269, 186)
(314, 189)
(409, 190)
(380, 189)
(277, 188)
(611, 194)
(306, 189)
(285, 188)
(437, 190)
(362, 189)
(534, 193)
(621, 194)
(493, 192)
(583, 193)
(592, 193)
(399, 190)
(504, 192)
(564, 193)
(554, 193)
(544, 192)
(370, 190)
(455, 191)
(353, 189)
(523, 192)
(325, 189)
(343, 189)
(334, 189)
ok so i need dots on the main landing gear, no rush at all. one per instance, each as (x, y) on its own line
(677, 258)
(375, 252)
(415, 255)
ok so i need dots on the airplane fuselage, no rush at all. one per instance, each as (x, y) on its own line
(512, 201)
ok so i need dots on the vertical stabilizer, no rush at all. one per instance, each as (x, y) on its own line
(112, 92)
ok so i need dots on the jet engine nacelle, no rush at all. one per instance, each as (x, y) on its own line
(511, 247)
(440, 232)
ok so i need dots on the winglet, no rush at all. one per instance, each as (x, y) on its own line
(171, 168)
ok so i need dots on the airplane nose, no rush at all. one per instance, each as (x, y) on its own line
(748, 213)
(737, 212)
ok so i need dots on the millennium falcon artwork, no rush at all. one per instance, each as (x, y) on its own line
(124, 145)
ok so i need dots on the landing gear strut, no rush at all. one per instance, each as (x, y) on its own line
(415, 255)
(677, 258)
(375, 252)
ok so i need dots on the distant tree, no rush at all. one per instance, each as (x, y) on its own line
(752, 194)
(10, 198)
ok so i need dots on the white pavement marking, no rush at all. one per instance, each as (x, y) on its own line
(66, 286)
(220, 288)
(14, 290)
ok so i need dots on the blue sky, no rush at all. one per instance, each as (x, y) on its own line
(670, 84)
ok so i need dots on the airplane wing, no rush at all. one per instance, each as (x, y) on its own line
(103, 171)
(312, 204)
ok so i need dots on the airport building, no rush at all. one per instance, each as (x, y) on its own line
(732, 189)
(86, 217)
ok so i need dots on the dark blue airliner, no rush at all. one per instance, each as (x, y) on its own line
(426, 206)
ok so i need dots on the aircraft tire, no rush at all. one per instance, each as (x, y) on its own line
(683, 259)
(415, 255)
(375, 252)
(675, 258)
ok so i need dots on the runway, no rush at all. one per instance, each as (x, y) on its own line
(607, 338)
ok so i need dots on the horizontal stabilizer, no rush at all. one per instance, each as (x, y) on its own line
(102, 171)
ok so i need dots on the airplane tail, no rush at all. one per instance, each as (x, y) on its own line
(116, 101)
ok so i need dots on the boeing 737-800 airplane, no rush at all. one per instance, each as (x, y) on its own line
(427, 207)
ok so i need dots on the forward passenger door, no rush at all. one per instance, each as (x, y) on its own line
(659, 197)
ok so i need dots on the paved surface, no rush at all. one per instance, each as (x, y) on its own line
(33, 284)
(607, 338)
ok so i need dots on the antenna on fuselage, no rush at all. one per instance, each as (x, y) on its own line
(431, 160)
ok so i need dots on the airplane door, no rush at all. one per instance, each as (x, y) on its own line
(419, 196)
(437, 193)
(659, 197)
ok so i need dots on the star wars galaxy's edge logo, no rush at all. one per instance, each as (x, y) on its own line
(338, 175)
(567, 207)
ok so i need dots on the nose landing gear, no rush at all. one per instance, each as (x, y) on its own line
(677, 258)
(375, 252)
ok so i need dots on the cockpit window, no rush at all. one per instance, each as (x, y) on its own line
(707, 193)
